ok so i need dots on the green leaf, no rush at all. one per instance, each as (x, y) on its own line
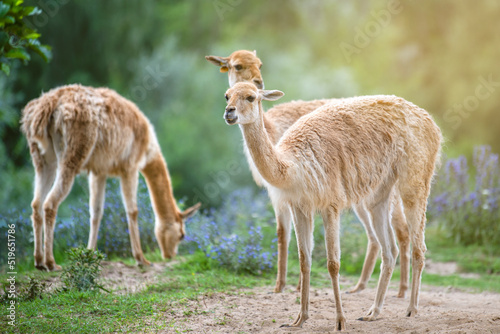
(34, 43)
(4, 9)
(30, 11)
(8, 19)
(33, 35)
(18, 54)
(5, 68)
(4, 38)
(15, 10)
(43, 50)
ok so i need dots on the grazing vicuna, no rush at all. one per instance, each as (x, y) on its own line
(76, 128)
(244, 66)
(354, 150)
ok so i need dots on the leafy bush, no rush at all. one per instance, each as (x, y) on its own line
(83, 271)
(35, 289)
(468, 210)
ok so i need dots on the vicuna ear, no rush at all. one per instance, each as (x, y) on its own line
(255, 52)
(190, 211)
(219, 61)
(271, 95)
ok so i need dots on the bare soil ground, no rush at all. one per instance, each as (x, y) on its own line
(441, 310)
(257, 311)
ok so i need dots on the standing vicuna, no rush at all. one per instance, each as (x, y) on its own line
(244, 66)
(76, 128)
(348, 151)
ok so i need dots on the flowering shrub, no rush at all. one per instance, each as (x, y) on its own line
(469, 209)
(113, 237)
(241, 234)
(234, 236)
(23, 234)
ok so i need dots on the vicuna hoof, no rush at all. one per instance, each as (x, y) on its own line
(279, 288)
(411, 312)
(355, 289)
(49, 267)
(144, 263)
(401, 294)
(372, 314)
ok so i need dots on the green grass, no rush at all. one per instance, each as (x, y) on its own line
(475, 285)
(321, 279)
(103, 312)
(78, 312)
(474, 258)
(164, 306)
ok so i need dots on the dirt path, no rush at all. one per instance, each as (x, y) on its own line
(442, 310)
(257, 311)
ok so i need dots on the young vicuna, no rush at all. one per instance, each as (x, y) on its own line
(244, 66)
(75, 128)
(348, 151)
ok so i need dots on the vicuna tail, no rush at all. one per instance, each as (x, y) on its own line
(36, 117)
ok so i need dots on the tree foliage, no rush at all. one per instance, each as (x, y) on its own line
(16, 36)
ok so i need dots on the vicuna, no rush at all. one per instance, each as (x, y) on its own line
(244, 66)
(361, 149)
(76, 128)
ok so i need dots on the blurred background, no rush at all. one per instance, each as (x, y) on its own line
(441, 55)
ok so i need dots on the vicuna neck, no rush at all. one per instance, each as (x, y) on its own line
(265, 156)
(160, 189)
(270, 129)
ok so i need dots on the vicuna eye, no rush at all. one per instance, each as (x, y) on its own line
(227, 97)
(238, 67)
(251, 98)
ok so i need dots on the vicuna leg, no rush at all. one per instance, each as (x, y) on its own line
(97, 187)
(283, 222)
(415, 215)
(71, 156)
(129, 184)
(59, 191)
(331, 220)
(380, 212)
(304, 226)
(371, 250)
(403, 236)
(45, 174)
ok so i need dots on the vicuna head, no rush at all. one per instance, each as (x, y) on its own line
(243, 102)
(171, 234)
(242, 66)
